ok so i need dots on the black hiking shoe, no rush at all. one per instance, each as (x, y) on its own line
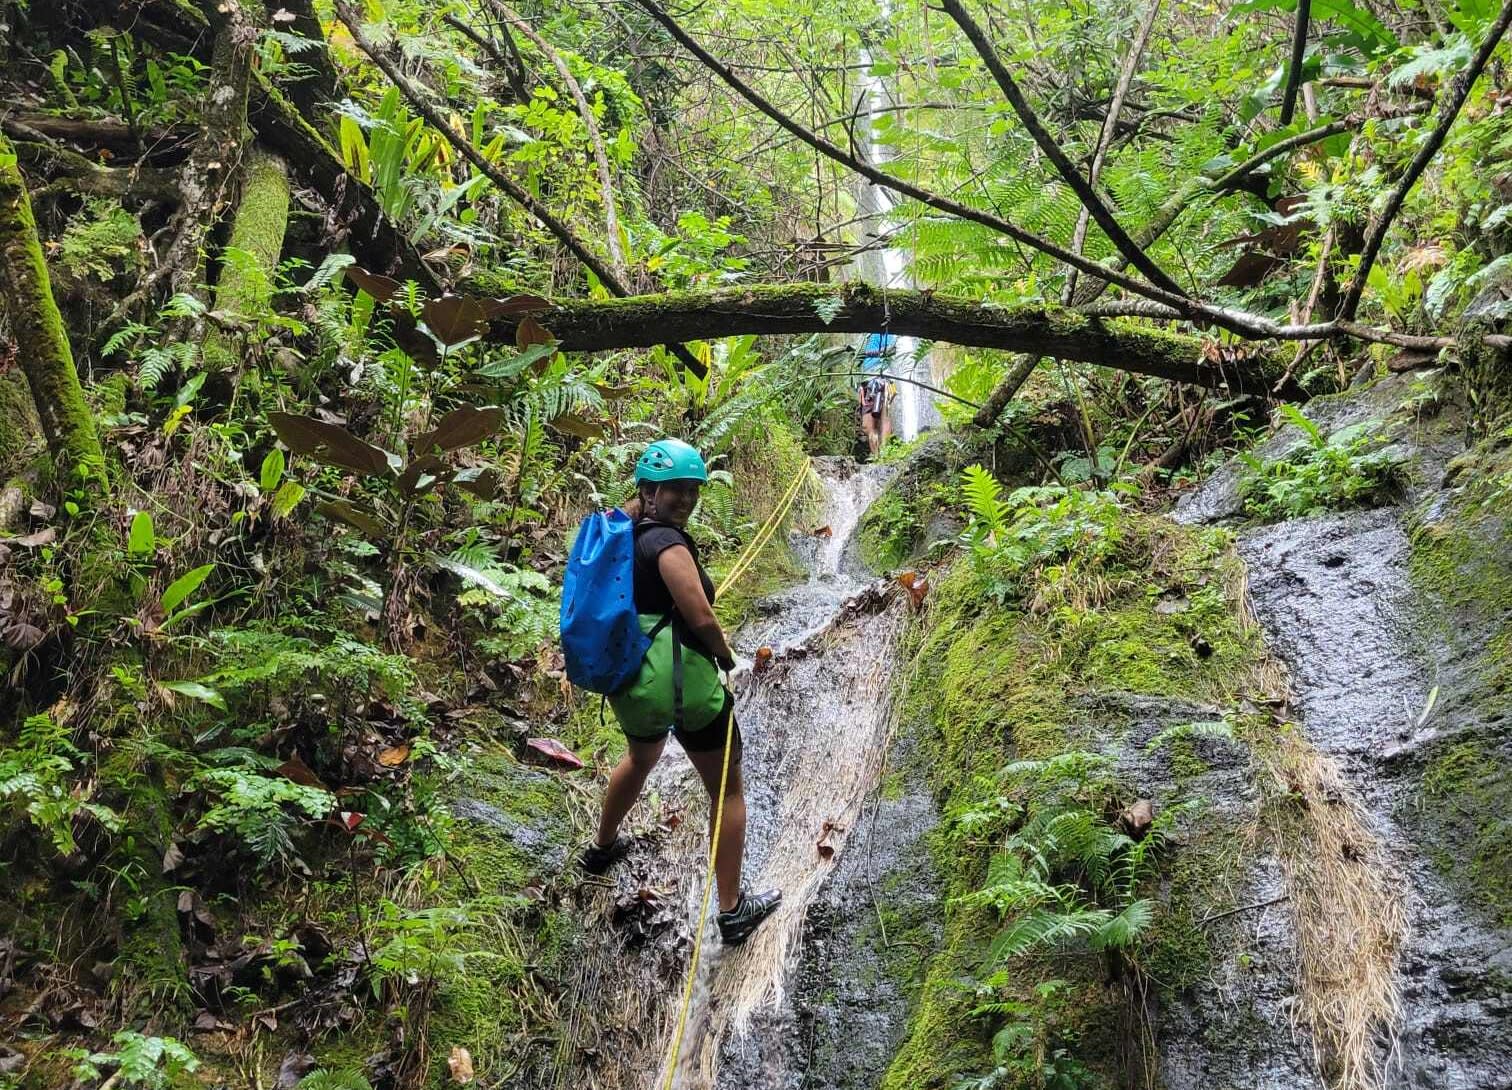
(597, 860)
(736, 925)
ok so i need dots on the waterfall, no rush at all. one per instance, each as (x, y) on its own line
(886, 265)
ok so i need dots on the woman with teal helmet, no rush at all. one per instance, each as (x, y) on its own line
(678, 689)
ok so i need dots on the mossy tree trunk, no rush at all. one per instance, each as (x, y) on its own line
(208, 175)
(245, 287)
(45, 356)
(1033, 328)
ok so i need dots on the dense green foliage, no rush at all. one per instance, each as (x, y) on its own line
(284, 504)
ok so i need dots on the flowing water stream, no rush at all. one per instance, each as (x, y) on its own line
(815, 722)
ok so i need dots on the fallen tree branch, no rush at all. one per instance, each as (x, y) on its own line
(642, 321)
(1082, 187)
(1430, 147)
(114, 136)
(72, 171)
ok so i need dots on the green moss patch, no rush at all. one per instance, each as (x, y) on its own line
(1461, 564)
(1157, 615)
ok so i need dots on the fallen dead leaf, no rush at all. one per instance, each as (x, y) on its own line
(394, 756)
(461, 1065)
(32, 541)
(296, 771)
(549, 751)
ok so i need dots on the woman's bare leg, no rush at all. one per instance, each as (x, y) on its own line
(731, 854)
(625, 784)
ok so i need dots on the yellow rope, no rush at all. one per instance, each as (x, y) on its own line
(742, 564)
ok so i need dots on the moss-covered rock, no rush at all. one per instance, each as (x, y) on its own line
(1461, 566)
(1159, 616)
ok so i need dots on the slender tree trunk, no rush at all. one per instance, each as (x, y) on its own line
(45, 356)
(210, 171)
(590, 123)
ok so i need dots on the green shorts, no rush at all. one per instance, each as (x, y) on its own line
(646, 708)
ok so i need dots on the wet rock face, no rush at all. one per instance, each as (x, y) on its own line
(866, 941)
(1369, 654)
(1224, 969)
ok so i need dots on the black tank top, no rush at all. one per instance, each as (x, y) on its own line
(653, 538)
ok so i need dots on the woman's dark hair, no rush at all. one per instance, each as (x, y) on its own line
(635, 506)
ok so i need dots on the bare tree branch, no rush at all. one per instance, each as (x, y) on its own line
(998, 400)
(1105, 137)
(1447, 113)
(563, 233)
(1083, 189)
(899, 185)
(590, 122)
(1294, 72)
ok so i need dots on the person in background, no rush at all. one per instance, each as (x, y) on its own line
(875, 392)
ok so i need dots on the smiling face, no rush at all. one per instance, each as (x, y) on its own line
(671, 501)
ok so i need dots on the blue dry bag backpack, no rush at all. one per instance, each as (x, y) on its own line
(601, 636)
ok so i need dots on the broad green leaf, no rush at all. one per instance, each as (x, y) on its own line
(272, 470)
(287, 498)
(516, 364)
(142, 540)
(183, 586)
(199, 691)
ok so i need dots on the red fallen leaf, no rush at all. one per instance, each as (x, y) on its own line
(350, 819)
(917, 586)
(550, 751)
(296, 771)
(826, 851)
(763, 660)
(822, 531)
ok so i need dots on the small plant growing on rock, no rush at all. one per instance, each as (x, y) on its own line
(1326, 473)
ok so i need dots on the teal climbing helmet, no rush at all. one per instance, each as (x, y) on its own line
(670, 460)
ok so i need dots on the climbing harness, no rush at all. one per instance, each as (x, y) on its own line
(741, 566)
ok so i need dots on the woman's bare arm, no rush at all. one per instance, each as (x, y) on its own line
(681, 576)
